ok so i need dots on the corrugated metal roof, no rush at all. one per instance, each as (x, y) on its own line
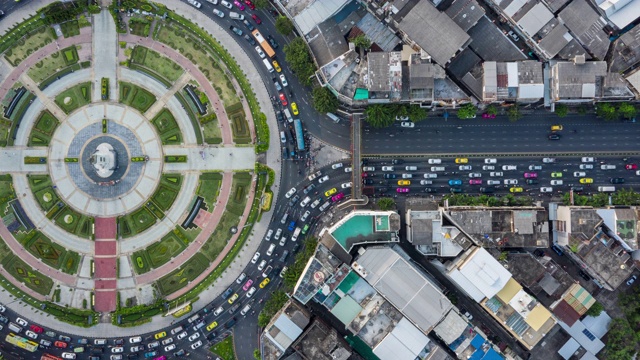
(318, 12)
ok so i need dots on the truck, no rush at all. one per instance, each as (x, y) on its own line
(265, 45)
(296, 233)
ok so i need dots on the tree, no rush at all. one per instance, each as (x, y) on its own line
(607, 111)
(467, 111)
(271, 307)
(621, 340)
(324, 101)
(595, 309)
(492, 110)
(627, 110)
(514, 113)
(284, 25)
(361, 41)
(416, 113)
(562, 110)
(261, 4)
(297, 55)
(256, 354)
(379, 116)
(386, 203)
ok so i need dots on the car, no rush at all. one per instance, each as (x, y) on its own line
(586, 166)
(631, 167)
(226, 4)
(548, 160)
(588, 159)
(167, 341)
(330, 192)
(182, 335)
(68, 339)
(50, 333)
(455, 190)
(496, 174)
(160, 335)
(261, 265)
(586, 181)
(316, 203)
(250, 4)
(556, 182)
(305, 201)
(290, 192)
(348, 169)
(579, 174)
(368, 181)
(402, 190)
(260, 53)
(294, 108)
(336, 166)
(251, 292)
(236, 30)
(294, 200)
(194, 336)
(434, 161)
(68, 355)
(196, 345)
(283, 99)
(388, 168)
(218, 13)
(426, 182)
(535, 167)
(239, 5)
(430, 176)
(323, 179)
(488, 116)
(337, 197)
(617, 180)
(509, 167)
(389, 176)
(632, 280)
(466, 313)
(407, 176)
(264, 283)
(516, 189)
(346, 185)
(23, 322)
(272, 41)
(475, 182)
(510, 182)
(314, 175)
(117, 349)
(285, 84)
(255, 257)
(30, 334)
(170, 347)
(308, 189)
(247, 285)
(475, 175)
(556, 127)
(407, 124)
(465, 167)
(404, 182)
(153, 345)
(60, 344)
(44, 342)
(253, 43)
(35, 328)
(462, 160)
(556, 174)
(455, 182)
(530, 175)
(150, 354)
(584, 275)
(531, 181)
(278, 88)
(577, 188)
(368, 168)
(554, 136)
(291, 226)
(218, 311)
(546, 189)
(488, 167)
(607, 167)
(493, 182)
(275, 64)
(487, 190)
(256, 19)
(212, 326)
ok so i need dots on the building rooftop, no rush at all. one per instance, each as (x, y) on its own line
(385, 75)
(428, 233)
(307, 14)
(451, 327)
(364, 227)
(432, 30)
(607, 258)
(626, 51)
(405, 341)
(574, 81)
(321, 342)
(478, 273)
(586, 24)
(589, 331)
(533, 20)
(555, 40)
(378, 33)
(327, 42)
(621, 13)
(491, 44)
(285, 327)
(465, 13)
(321, 266)
(403, 286)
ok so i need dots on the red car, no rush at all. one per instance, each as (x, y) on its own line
(530, 175)
(247, 285)
(250, 4)
(364, 175)
(283, 99)
(60, 344)
(631, 166)
(488, 116)
(36, 329)
(239, 5)
(256, 19)
(475, 182)
(337, 197)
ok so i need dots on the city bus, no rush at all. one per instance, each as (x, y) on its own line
(50, 357)
(265, 45)
(21, 342)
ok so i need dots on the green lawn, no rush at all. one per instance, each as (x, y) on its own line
(239, 124)
(74, 222)
(211, 129)
(5, 128)
(180, 277)
(164, 196)
(42, 188)
(43, 130)
(209, 188)
(157, 63)
(224, 349)
(51, 65)
(70, 28)
(29, 44)
(239, 192)
(51, 253)
(167, 127)
(74, 97)
(24, 273)
(136, 222)
(136, 97)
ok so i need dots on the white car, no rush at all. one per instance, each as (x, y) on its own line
(430, 176)
(117, 349)
(196, 345)
(68, 355)
(490, 161)
(426, 182)
(251, 292)
(348, 169)
(284, 80)
(368, 168)
(226, 4)
(488, 167)
(638, 172)
(407, 176)
(346, 185)
(290, 192)
(304, 216)
(136, 348)
(282, 242)
(182, 335)
(22, 322)
(556, 182)
(579, 174)
(323, 179)
(315, 203)
(195, 4)
(214, 2)
(387, 168)
(269, 235)
(314, 175)
(475, 175)
(218, 311)
(510, 182)
(496, 173)
(170, 347)
(260, 52)
(277, 235)
(167, 341)
(546, 189)
(509, 167)
(402, 118)
(262, 264)
(535, 167)
(255, 257)
(305, 202)
(31, 334)
(493, 182)
(194, 336)
(588, 159)
(548, 160)
(434, 161)
(336, 166)
(465, 167)
(407, 124)
(586, 166)
(218, 13)
(2, 308)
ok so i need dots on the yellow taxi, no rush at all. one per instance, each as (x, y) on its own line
(586, 181)
(276, 66)
(330, 192)
(404, 182)
(264, 283)
(212, 326)
(462, 160)
(294, 108)
(556, 127)
(160, 335)
(516, 189)
(233, 298)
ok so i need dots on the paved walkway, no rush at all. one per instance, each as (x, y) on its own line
(105, 55)
(106, 255)
(13, 160)
(209, 158)
(168, 94)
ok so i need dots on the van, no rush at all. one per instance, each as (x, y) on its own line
(600, 188)
(268, 65)
(607, 167)
(324, 206)
(194, 318)
(176, 330)
(284, 256)
(283, 137)
(236, 16)
(333, 117)
(198, 326)
(15, 328)
(245, 310)
(411, 168)
(437, 168)
(287, 114)
(270, 249)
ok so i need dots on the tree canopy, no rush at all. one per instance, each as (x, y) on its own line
(324, 101)
(379, 116)
(386, 203)
(627, 110)
(261, 4)
(299, 59)
(467, 111)
(562, 110)
(284, 25)
(514, 113)
(607, 111)
(361, 41)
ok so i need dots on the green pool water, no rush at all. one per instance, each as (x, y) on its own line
(359, 225)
